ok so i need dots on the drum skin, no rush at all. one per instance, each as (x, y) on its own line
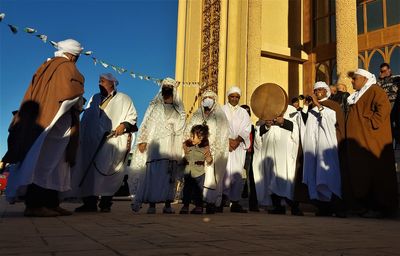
(269, 101)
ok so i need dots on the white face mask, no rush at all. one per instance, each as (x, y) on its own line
(207, 103)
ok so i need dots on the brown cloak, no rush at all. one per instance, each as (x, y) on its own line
(55, 81)
(371, 164)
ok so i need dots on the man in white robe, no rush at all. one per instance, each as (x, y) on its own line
(159, 150)
(239, 142)
(321, 168)
(276, 147)
(107, 126)
(211, 114)
(44, 134)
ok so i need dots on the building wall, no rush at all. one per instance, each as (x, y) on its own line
(260, 42)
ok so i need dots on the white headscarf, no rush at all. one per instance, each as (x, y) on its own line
(354, 97)
(169, 82)
(110, 77)
(210, 94)
(234, 89)
(321, 84)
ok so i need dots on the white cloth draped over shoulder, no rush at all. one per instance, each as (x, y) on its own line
(37, 166)
(321, 169)
(239, 125)
(218, 137)
(153, 173)
(274, 160)
(105, 174)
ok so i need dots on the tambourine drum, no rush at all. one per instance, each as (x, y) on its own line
(269, 101)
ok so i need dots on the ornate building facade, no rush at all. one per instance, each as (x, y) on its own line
(293, 43)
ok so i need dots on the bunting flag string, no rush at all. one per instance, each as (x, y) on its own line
(120, 70)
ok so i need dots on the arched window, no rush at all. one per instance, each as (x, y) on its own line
(395, 61)
(361, 62)
(322, 73)
(334, 77)
(375, 61)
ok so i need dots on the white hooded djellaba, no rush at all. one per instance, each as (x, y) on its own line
(153, 173)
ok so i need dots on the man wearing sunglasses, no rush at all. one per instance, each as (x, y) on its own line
(390, 84)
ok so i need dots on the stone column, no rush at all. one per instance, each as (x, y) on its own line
(180, 44)
(233, 45)
(223, 33)
(253, 48)
(346, 40)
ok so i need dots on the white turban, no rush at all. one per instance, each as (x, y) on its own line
(110, 77)
(362, 72)
(234, 89)
(321, 84)
(168, 82)
(70, 46)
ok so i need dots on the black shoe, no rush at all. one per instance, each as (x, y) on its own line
(197, 210)
(238, 208)
(373, 215)
(86, 208)
(340, 214)
(297, 212)
(254, 209)
(105, 209)
(210, 208)
(323, 213)
(278, 210)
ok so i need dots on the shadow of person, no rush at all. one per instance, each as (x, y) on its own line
(372, 179)
(23, 132)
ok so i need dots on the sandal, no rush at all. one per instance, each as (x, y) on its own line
(197, 210)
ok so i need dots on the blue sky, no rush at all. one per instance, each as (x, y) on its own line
(137, 35)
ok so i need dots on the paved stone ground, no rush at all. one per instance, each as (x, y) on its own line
(123, 232)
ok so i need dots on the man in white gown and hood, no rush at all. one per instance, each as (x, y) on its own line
(211, 114)
(276, 147)
(158, 150)
(107, 126)
(239, 142)
(321, 131)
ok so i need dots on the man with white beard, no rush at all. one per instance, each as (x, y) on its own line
(211, 114)
(239, 142)
(276, 147)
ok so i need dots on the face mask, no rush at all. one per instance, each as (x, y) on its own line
(166, 91)
(207, 103)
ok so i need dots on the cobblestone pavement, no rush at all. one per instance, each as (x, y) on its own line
(123, 232)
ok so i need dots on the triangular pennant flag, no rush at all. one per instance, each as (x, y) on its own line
(43, 38)
(122, 70)
(132, 75)
(94, 61)
(88, 53)
(2, 15)
(147, 78)
(114, 67)
(140, 77)
(104, 64)
(54, 44)
(30, 30)
(13, 28)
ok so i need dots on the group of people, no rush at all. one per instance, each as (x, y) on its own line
(337, 160)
